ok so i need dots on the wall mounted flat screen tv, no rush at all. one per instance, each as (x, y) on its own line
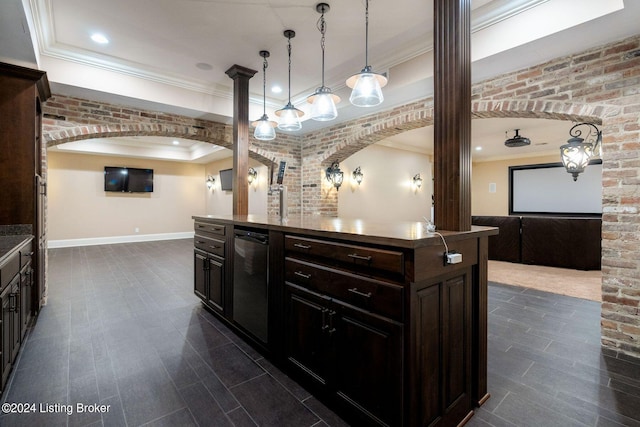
(226, 179)
(128, 180)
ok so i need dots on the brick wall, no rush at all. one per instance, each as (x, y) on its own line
(600, 85)
(69, 119)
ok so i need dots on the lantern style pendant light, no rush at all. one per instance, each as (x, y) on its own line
(265, 129)
(289, 115)
(367, 85)
(323, 102)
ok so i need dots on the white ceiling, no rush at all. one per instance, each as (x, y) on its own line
(157, 49)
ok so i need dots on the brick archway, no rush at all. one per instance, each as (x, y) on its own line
(70, 119)
(355, 135)
(372, 129)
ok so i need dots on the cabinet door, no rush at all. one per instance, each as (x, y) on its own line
(444, 349)
(307, 328)
(5, 339)
(215, 282)
(368, 362)
(200, 275)
(26, 285)
(16, 323)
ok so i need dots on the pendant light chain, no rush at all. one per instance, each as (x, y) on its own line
(265, 64)
(289, 51)
(322, 26)
(366, 34)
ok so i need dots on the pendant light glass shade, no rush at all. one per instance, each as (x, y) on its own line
(366, 86)
(265, 129)
(323, 102)
(289, 118)
(289, 115)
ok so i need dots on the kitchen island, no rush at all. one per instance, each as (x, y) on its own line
(374, 318)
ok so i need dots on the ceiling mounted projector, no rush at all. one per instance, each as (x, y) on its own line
(517, 140)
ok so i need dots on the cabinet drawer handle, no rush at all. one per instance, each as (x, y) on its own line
(199, 242)
(301, 274)
(357, 292)
(214, 247)
(360, 257)
(301, 246)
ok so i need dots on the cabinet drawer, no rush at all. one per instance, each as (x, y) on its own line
(392, 261)
(373, 295)
(26, 254)
(218, 229)
(208, 244)
(9, 270)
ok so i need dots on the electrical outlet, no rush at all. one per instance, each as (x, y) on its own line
(137, 230)
(454, 258)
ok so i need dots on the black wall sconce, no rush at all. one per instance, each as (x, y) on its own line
(577, 152)
(210, 181)
(357, 175)
(335, 175)
(252, 175)
(417, 180)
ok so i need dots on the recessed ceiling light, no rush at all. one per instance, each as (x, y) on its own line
(99, 38)
(176, 142)
(478, 148)
(204, 66)
(276, 89)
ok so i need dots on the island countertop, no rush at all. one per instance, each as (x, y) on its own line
(408, 234)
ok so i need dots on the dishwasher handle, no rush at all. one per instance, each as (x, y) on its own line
(252, 236)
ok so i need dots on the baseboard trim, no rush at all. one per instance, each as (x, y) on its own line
(92, 241)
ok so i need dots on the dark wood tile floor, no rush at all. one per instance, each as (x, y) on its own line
(122, 328)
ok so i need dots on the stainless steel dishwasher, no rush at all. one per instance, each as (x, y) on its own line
(251, 282)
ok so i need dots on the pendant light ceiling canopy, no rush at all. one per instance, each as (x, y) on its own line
(323, 101)
(367, 85)
(289, 115)
(265, 128)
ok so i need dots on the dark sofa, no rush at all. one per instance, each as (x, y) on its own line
(567, 242)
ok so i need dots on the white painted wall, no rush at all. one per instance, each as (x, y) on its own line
(386, 192)
(79, 208)
(220, 202)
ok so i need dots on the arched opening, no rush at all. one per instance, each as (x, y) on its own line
(181, 166)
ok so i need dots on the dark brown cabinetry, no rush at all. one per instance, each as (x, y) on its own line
(209, 264)
(374, 321)
(16, 281)
(344, 329)
(23, 192)
(352, 355)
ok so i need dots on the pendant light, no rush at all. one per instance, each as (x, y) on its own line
(323, 102)
(289, 115)
(265, 128)
(367, 85)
